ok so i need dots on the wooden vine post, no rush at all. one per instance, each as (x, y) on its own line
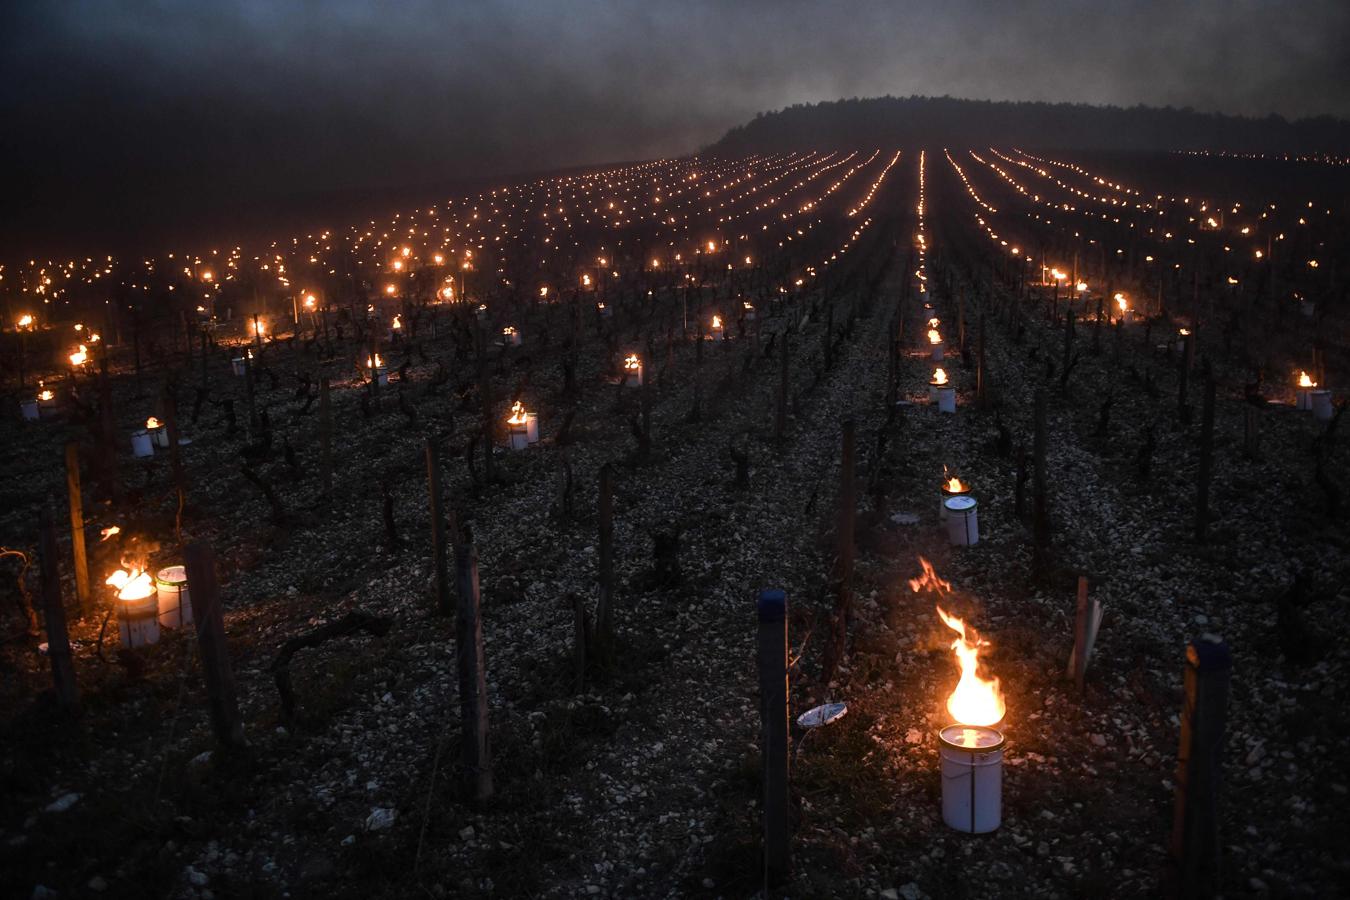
(200, 562)
(444, 603)
(1195, 849)
(604, 610)
(54, 612)
(773, 712)
(77, 527)
(475, 761)
(1206, 473)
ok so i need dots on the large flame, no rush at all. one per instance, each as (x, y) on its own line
(631, 362)
(374, 363)
(934, 337)
(976, 700)
(955, 485)
(518, 415)
(1120, 302)
(1304, 381)
(716, 322)
(134, 585)
(939, 376)
(80, 356)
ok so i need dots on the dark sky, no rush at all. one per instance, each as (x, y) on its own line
(132, 110)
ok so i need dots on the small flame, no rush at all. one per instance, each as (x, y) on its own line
(376, 363)
(152, 423)
(955, 485)
(397, 323)
(939, 376)
(746, 305)
(1120, 302)
(80, 356)
(716, 322)
(934, 337)
(934, 322)
(259, 327)
(133, 585)
(631, 362)
(110, 531)
(976, 700)
(46, 395)
(509, 330)
(586, 280)
(25, 321)
(1305, 381)
(929, 580)
(518, 415)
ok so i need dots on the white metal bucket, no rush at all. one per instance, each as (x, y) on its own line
(382, 375)
(1303, 399)
(633, 377)
(520, 435)
(160, 436)
(174, 601)
(138, 621)
(972, 778)
(946, 399)
(238, 364)
(942, 501)
(513, 339)
(30, 410)
(1320, 403)
(531, 428)
(141, 445)
(963, 526)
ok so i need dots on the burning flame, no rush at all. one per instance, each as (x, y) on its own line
(25, 321)
(46, 395)
(1305, 381)
(929, 580)
(717, 322)
(80, 356)
(586, 280)
(1120, 301)
(376, 363)
(133, 585)
(309, 301)
(110, 531)
(259, 327)
(397, 323)
(152, 423)
(976, 700)
(509, 329)
(939, 376)
(631, 362)
(934, 322)
(934, 337)
(518, 416)
(955, 485)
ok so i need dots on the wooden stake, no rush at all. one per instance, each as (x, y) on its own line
(475, 762)
(773, 713)
(326, 437)
(204, 594)
(579, 635)
(1041, 502)
(1080, 633)
(604, 610)
(1251, 432)
(780, 413)
(175, 454)
(444, 604)
(1206, 472)
(1195, 849)
(77, 527)
(54, 612)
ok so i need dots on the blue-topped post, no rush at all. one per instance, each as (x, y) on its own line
(1195, 825)
(773, 712)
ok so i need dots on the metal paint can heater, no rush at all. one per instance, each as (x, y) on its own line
(382, 375)
(519, 434)
(159, 433)
(142, 447)
(138, 615)
(963, 525)
(937, 353)
(948, 493)
(30, 410)
(174, 601)
(1320, 403)
(972, 777)
(532, 428)
(239, 365)
(946, 398)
